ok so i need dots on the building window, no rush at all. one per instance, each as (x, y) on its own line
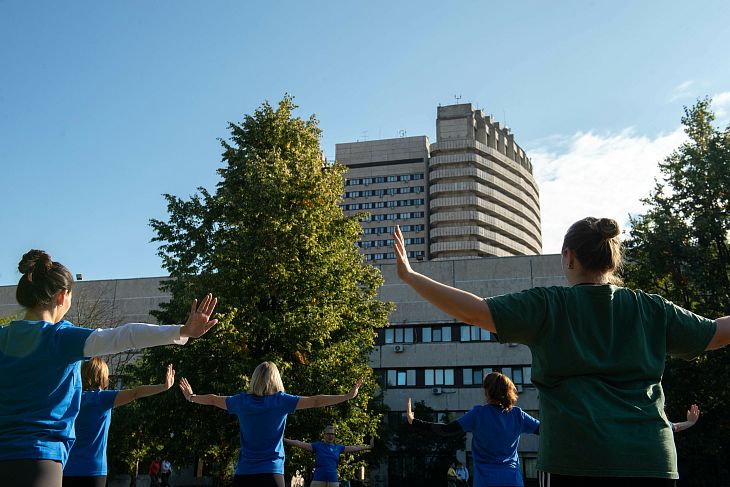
(401, 377)
(473, 376)
(439, 377)
(398, 335)
(436, 334)
(474, 334)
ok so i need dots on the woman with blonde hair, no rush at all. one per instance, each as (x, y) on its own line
(496, 428)
(262, 413)
(40, 391)
(86, 465)
(598, 357)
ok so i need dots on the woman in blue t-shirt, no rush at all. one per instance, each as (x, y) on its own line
(262, 413)
(496, 428)
(86, 465)
(40, 383)
(327, 456)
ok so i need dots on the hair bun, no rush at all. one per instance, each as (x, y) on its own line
(607, 227)
(33, 261)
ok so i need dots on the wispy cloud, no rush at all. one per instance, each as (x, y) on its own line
(596, 175)
(721, 105)
(682, 90)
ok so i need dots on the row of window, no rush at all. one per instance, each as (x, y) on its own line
(389, 242)
(412, 254)
(383, 191)
(461, 376)
(428, 334)
(384, 179)
(395, 216)
(391, 229)
(383, 204)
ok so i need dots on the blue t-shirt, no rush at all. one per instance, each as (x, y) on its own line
(326, 458)
(262, 420)
(40, 388)
(88, 455)
(495, 436)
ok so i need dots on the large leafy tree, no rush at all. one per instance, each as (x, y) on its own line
(679, 248)
(273, 244)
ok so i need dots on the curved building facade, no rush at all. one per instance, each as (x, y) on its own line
(483, 199)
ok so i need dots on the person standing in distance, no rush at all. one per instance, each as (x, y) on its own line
(327, 456)
(598, 357)
(495, 426)
(262, 413)
(86, 465)
(40, 383)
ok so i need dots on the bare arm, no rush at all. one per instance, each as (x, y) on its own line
(299, 444)
(307, 402)
(206, 399)
(354, 448)
(462, 305)
(434, 429)
(128, 395)
(692, 416)
(722, 334)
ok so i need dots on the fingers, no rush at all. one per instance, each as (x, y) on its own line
(211, 305)
(409, 405)
(194, 306)
(204, 303)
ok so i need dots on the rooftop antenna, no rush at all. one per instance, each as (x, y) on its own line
(402, 133)
(504, 116)
(457, 98)
(364, 135)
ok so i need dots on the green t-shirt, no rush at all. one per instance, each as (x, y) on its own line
(598, 356)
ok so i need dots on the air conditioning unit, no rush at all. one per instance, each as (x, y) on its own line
(437, 390)
(399, 348)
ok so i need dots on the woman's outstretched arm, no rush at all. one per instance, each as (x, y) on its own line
(307, 402)
(692, 416)
(128, 395)
(434, 429)
(299, 444)
(206, 399)
(354, 448)
(462, 305)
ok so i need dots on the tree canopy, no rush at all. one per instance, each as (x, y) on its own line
(272, 242)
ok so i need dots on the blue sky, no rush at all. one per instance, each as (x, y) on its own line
(104, 106)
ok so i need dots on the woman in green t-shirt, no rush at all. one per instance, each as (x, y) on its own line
(598, 354)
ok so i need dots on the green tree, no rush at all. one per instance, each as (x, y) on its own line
(272, 242)
(679, 249)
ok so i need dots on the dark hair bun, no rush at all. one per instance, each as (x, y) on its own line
(34, 261)
(606, 227)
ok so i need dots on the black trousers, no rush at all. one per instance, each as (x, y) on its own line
(553, 480)
(259, 480)
(31, 473)
(95, 481)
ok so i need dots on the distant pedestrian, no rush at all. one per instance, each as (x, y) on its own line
(155, 472)
(165, 472)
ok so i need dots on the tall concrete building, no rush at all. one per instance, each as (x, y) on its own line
(469, 194)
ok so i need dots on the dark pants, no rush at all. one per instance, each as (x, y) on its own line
(259, 480)
(553, 480)
(31, 473)
(95, 481)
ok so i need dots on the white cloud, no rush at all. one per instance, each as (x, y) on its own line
(682, 90)
(721, 104)
(595, 175)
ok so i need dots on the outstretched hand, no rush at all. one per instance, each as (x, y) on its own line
(199, 321)
(409, 413)
(186, 388)
(401, 256)
(353, 392)
(693, 414)
(169, 377)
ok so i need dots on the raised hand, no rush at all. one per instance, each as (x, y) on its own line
(401, 256)
(409, 413)
(353, 392)
(186, 389)
(169, 377)
(693, 414)
(199, 321)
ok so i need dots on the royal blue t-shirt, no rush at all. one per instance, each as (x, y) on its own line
(326, 458)
(88, 455)
(495, 436)
(262, 420)
(40, 388)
